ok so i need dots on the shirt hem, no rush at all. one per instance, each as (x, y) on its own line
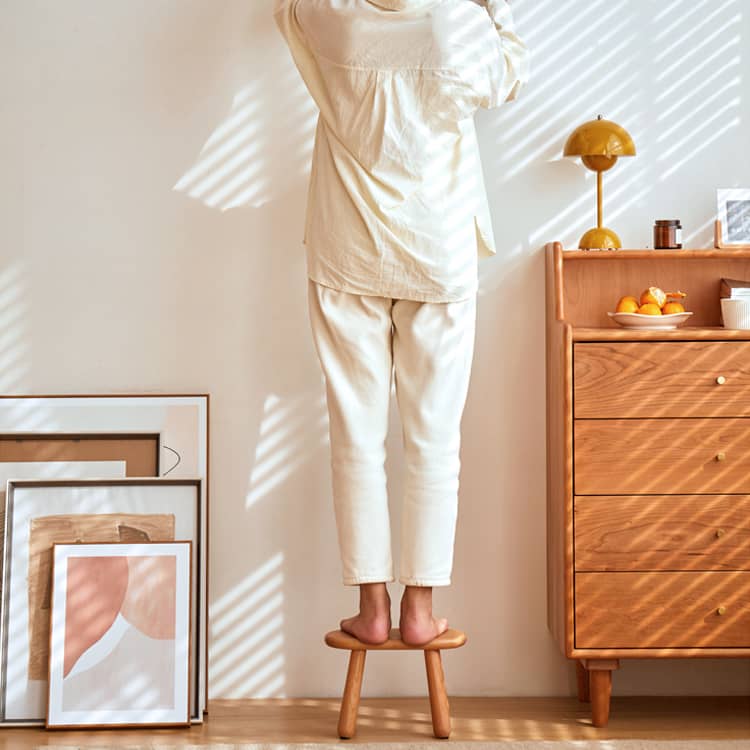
(392, 293)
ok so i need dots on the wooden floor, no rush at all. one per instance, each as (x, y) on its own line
(408, 719)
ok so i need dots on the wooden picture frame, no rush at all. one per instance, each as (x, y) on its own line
(180, 420)
(732, 226)
(42, 512)
(120, 631)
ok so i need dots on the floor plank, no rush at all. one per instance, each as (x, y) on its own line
(408, 719)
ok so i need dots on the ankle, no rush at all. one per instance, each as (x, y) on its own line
(374, 598)
(417, 598)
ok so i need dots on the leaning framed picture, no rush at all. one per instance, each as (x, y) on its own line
(733, 218)
(26, 469)
(41, 513)
(119, 651)
(156, 435)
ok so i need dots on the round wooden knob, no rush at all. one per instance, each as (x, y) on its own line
(721, 610)
(720, 456)
(721, 380)
(719, 532)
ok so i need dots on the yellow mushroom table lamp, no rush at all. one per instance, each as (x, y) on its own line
(599, 142)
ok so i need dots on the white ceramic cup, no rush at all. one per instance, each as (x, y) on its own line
(735, 313)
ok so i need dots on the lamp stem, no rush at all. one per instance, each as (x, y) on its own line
(598, 199)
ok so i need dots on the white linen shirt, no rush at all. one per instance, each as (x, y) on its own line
(396, 203)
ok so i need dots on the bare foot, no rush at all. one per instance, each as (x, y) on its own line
(373, 623)
(417, 625)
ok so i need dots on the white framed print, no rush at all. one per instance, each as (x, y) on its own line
(119, 647)
(179, 423)
(50, 470)
(733, 211)
(40, 513)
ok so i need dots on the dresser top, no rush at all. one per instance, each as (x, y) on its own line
(692, 333)
(659, 254)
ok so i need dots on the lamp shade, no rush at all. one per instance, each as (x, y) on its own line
(599, 138)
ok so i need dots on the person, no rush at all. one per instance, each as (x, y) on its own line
(397, 217)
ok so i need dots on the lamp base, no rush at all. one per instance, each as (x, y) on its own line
(600, 238)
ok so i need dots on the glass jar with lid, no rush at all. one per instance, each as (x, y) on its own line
(667, 234)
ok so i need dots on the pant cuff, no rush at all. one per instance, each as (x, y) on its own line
(407, 581)
(356, 580)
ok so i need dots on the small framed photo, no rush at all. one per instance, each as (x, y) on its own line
(733, 218)
(119, 652)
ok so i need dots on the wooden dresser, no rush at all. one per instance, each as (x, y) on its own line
(648, 466)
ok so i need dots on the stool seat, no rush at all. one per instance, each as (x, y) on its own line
(439, 708)
(451, 638)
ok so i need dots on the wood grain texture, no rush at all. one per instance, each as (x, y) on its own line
(236, 723)
(660, 609)
(681, 333)
(451, 638)
(600, 689)
(659, 453)
(662, 532)
(592, 285)
(559, 526)
(672, 456)
(662, 379)
(347, 726)
(439, 706)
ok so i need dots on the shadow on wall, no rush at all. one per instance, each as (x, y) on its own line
(671, 73)
(257, 157)
(673, 77)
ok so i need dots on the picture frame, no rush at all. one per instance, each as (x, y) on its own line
(181, 421)
(50, 470)
(42, 512)
(119, 652)
(732, 225)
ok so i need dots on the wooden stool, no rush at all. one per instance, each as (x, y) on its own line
(441, 719)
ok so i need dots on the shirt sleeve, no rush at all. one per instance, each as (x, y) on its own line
(508, 62)
(285, 13)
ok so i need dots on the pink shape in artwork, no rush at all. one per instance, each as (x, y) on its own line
(95, 592)
(149, 603)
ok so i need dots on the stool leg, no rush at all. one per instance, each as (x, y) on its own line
(441, 717)
(350, 701)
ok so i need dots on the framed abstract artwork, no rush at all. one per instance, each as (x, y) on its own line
(119, 652)
(42, 513)
(164, 435)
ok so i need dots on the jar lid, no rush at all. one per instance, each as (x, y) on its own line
(667, 222)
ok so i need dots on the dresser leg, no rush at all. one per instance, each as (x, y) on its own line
(600, 687)
(601, 690)
(582, 678)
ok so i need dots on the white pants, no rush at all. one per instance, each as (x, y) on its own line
(361, 341)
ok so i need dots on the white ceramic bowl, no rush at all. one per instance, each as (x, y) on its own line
(735, 313)
(650, 322)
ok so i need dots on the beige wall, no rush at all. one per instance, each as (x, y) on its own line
(153, 172)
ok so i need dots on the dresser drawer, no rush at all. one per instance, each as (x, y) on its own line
(661, 532)
(671, 456)
(662, 610)
(662, 379)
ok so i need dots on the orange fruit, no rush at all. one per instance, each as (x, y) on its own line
(672, 307)
(654, 295)
(649, 308)
(627, 303)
